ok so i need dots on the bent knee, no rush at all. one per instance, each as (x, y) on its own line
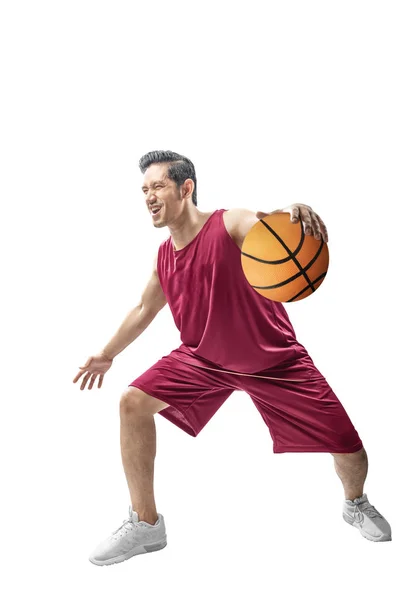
(138, 402)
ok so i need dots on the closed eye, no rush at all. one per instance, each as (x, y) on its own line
(145, 190)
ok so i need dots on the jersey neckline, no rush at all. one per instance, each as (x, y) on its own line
(196, 236)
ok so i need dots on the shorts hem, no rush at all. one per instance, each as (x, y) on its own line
(172, 413)
(280, 449)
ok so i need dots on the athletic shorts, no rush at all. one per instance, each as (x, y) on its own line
(295, 401)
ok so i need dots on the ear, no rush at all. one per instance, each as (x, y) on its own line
(188, 187)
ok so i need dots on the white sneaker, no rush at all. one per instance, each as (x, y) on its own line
(131, 538)
(361, 514)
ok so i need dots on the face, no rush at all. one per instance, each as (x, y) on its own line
(160, 191)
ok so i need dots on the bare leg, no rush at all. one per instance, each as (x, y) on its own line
(352, 470)
(138, 449)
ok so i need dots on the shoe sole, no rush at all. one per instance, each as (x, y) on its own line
(134, 552)
(383, 538)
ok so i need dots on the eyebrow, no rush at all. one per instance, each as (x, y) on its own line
(154, 183)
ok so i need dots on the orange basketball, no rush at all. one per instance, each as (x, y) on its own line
(282, 263)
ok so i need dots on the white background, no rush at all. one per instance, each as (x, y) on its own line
(275, 103)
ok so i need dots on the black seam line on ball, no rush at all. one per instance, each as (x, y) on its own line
(282, 283)
(280, 240)
(307, 286)
(281, 260)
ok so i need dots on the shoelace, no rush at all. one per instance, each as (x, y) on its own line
(369, 510)
(126, 526)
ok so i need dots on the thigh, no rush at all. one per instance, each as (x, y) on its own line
(302, 411)
(193, 394)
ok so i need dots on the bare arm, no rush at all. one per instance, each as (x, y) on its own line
(239, 222)
(153, 298)
(138, 319)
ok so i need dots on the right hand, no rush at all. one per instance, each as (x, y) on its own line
(97, 364)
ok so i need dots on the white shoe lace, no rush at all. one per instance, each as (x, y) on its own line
(126, 526)
(369, 510)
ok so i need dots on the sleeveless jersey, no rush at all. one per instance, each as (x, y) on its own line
(221, 318)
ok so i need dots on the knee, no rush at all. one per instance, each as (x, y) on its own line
(359, 456)
(132, 402)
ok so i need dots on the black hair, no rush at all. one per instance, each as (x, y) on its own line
(180, 169)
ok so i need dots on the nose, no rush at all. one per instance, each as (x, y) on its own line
(150, 198)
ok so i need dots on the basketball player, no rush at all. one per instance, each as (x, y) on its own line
(232, 339)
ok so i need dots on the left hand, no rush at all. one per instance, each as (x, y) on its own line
(312, 223)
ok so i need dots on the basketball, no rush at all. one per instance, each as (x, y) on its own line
(281, 262)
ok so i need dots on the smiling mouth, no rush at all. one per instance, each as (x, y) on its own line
(156, 212)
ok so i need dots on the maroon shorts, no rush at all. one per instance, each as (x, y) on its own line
(302, 414)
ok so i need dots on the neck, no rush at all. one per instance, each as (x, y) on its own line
(186, 227)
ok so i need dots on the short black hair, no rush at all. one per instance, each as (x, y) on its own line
(180, 169)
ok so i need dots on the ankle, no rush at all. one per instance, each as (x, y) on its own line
(150, 518)
(147, 514)
(353, 495)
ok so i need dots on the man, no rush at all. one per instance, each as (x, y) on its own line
(232, 339)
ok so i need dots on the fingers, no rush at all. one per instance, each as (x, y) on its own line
(323, 229)
(312, 223)
(83, 370)
(86, 379)
(306, 222)
(77, 377)
(295, 214)
(315, 226)
(92, 381)
(319, 228)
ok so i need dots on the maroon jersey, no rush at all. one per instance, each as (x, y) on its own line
(221, 318)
